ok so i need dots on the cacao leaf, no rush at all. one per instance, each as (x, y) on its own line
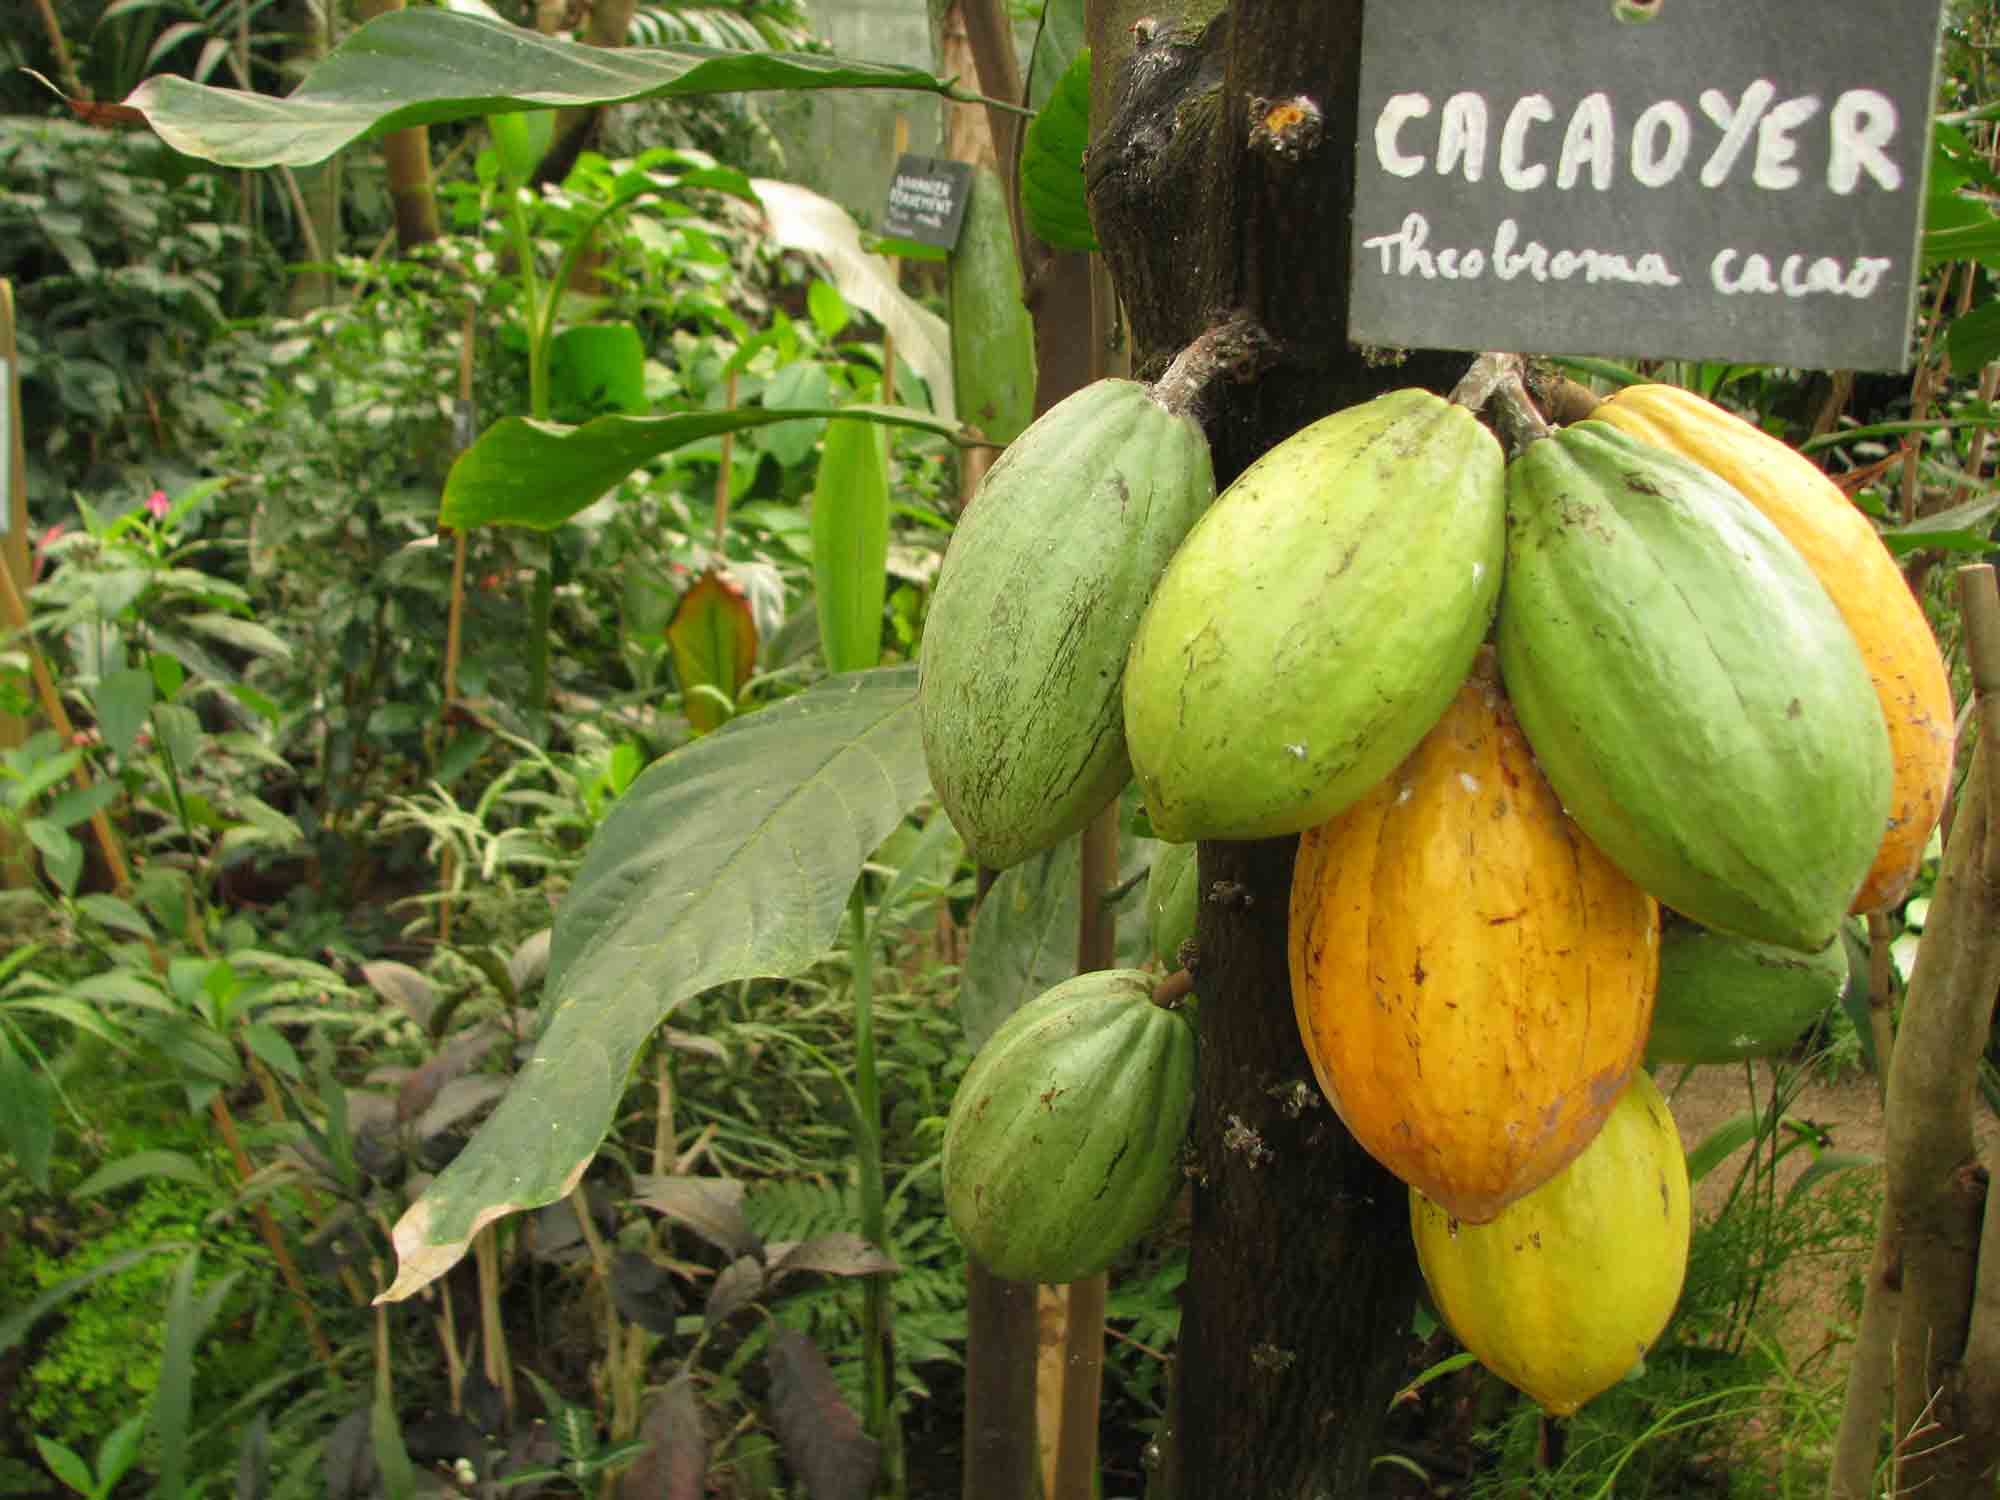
(1057, 41)
(819, 1432)
(840, 1253)
(675, 1464)
(850, 532)
(731, 858)
(521, 472)
(711, 1206)
(421, 67)
(992, 335)
(714, 640)
(1052, 193)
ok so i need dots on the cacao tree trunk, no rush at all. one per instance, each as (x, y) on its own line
(1221, 184)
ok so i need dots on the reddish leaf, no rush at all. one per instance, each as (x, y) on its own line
(711, 1206)
(714, 639)
(740, 1283)
(643, 1290)
(837, 1254)
(463, 1055)
(819, 1432)
(674, 1467)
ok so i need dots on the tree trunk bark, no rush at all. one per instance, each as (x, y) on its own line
(1947, 1432)
(1221, 188)
(406, 162)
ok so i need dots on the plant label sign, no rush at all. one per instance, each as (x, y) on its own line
(1713, 179)
(927, 200)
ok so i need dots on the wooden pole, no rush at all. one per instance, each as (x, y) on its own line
(13, 536)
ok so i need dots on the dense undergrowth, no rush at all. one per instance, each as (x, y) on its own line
(272, 939)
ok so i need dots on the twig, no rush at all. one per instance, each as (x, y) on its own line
(1979, 607)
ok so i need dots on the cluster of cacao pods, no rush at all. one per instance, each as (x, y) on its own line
(1708, 690)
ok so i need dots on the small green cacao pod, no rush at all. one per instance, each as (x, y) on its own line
(1173, 894)
(1063, 1144)
(1724, 998)
(1314, 625)
(1689, 689)
(1032, 618)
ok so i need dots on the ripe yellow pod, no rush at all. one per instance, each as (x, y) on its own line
(1473, 979)
(1841, 547)
(1563, 1293)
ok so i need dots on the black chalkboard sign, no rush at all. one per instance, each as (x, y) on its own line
(1729, 179)
(927, 200)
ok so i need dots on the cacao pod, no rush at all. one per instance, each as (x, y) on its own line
(1846, 554)
(1033, 614)
(1725, 998)
(1472, 978)
(1063, 1143)
(1689, 689)
(1562, 1294)
(1316, 622)
(1173, 895)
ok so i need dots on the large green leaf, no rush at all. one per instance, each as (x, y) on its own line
(1052, 190)
(992, 333)
(1057, 41)
(729, 859)
(850, 532)
(522, 472)
(419, 67)
(800, 219)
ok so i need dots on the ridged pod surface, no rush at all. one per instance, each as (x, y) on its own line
(1173, 896)
(1562, 1294)
(1846, 554)
(1690, 691)
(1063, 1143)
(1473, 980)
(1316, 622)
(1725, 998)
(1034, 610)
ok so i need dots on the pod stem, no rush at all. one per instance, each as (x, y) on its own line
(1176, 987)
(1497, 383)
(1236, 349)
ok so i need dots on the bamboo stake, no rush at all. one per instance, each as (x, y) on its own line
(268, 1228)
(454, 630)
(15, 866)
(52, 705)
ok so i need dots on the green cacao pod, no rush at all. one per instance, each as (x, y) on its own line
(1064, 1139)
(1173, 895)
(1724, 998)
(1034, 610)
(1689, 689)
(1314, 625)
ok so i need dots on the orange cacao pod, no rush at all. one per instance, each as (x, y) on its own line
(1473, 979)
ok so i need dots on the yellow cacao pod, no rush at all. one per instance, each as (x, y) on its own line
(1841, 547)
(1473, 980)
(1563, 1293)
